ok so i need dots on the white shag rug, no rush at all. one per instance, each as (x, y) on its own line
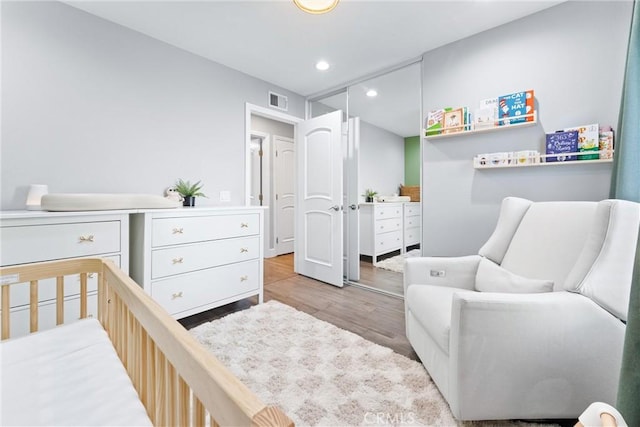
(396, 263)
(319, 374)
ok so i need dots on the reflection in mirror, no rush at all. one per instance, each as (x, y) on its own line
(388, 157)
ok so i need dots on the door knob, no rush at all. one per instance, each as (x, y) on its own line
(335, 208)
(353, 207)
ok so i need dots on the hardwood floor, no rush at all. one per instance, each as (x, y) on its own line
(374, 316)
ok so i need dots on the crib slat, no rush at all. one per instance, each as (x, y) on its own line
(182, 405)
(171, 394)
(33, 306)
(198, 413)
(83, 295)
(59, 300)
(5, 333)
(161, 415)
(150, 369)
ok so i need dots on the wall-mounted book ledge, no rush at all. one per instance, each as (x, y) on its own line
(475, 128)
(521, 159)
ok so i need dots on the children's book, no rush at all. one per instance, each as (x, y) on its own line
(435, 121)
(587, 140)
(487, 114)
(562, 142)
(515, 108)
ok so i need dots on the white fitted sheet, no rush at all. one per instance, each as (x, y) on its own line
(67, 376)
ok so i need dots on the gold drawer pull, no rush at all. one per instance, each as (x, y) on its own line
(88, 238)
(178, 230)
(177, 260)
(244, 225)
(242, 250)
(244, 278)
(176, 295)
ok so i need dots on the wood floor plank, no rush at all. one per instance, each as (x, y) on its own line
(372, 315)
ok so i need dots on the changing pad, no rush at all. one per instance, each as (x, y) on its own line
(69, 202)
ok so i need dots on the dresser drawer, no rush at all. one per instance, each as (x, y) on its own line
(387, 225)
(411, 210)
(172, 231)
(412, 221)
(19, 294)
(412, 236)
(198, 256)
(189, 291)
(388, 242)
(382, 212)
(33, 243)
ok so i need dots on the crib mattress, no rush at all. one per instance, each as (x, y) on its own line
(72, 202)
(67, 376)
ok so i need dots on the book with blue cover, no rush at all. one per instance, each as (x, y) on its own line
(515, 108)
(559, 143)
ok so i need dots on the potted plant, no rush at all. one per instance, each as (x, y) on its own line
(189, 191)
(369, 195)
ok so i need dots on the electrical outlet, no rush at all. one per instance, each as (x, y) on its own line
(225, 196)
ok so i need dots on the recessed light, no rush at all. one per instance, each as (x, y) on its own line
(322, 65)
(371, 93)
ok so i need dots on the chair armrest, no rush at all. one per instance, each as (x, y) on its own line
(456, 272)
(530, 346)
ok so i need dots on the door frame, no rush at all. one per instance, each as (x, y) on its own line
(251, 109)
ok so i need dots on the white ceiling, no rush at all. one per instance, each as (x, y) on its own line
(274, 41)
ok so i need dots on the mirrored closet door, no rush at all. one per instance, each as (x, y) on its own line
(381, 144)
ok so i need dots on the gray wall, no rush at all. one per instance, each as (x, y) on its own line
(381, 161)
(90, 106)
(272, 127)
(573, 56)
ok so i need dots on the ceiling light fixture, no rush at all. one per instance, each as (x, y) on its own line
(316, 6)
(322, 65)
(371, 93)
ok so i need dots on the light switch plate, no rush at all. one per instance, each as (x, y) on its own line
(225, 196)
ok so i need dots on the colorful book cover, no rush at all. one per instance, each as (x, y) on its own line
(587, 140)
(562, 142)
(435, 121)
(454, 120)
(605, 143)
(514, 106)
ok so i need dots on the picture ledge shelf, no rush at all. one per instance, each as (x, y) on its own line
(536, 162)
(485, 129)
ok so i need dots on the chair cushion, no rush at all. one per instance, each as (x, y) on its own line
(493, 278)
(431, 306)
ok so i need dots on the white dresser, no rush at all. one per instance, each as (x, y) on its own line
(381, 228)
(34, 236)
(194, 259)
(412, 224)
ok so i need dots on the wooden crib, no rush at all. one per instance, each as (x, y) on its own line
(177, 380)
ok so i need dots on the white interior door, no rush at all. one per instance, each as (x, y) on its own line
(283, 189)
(318, 230)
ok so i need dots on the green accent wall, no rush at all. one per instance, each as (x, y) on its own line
(412, 160)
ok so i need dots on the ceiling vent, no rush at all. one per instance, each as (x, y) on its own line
(280, 102)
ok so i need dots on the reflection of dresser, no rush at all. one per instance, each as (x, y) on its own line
(412, 224)
(381, 228)
(34, 236)
(192, 260)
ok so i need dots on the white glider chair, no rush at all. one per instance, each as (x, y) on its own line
(533, 326)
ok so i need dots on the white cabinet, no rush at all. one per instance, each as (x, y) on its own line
(412, 224)
(34, 236)
(192, 260)
(381, 229)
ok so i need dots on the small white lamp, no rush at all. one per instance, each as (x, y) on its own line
(36, 191)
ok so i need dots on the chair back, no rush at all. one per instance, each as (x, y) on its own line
(585, 247)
